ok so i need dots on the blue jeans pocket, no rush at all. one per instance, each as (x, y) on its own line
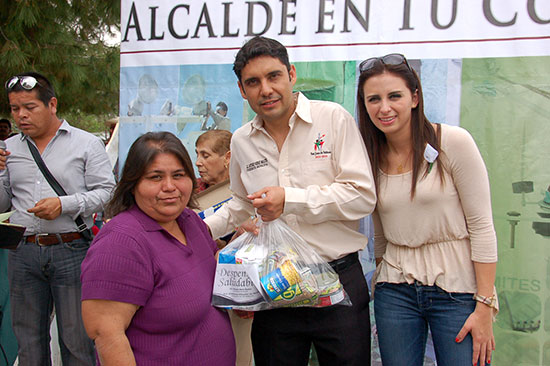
(461, 298)
(80, 244)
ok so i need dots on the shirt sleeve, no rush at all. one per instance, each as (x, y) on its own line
(234, 212)
(352, 194)
(117, 268)
(380, 241)
(99, 181)
(5, 191)
(472, 183)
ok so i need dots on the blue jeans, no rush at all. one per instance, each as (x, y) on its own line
(42, 278)
(403, 314)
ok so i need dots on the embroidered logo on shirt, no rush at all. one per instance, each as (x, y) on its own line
(318, 151)
(256, 164)
(318, 145)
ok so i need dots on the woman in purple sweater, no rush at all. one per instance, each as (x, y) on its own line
(147, 278)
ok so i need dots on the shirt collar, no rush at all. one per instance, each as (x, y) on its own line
(148, 223)
(302, 112)
(65, 126)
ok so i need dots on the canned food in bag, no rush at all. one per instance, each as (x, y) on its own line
(279, 280)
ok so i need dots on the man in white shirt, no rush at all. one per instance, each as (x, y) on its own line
(303, 161)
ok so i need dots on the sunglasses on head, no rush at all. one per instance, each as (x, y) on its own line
(27, 82)
(391, 59)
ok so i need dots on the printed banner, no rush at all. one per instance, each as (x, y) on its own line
(483, 65)
(172, 32)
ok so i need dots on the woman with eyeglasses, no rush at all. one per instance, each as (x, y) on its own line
(435, 244)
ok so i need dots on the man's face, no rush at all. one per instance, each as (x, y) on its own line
(5, 131)
(32, 117)
(267, 86)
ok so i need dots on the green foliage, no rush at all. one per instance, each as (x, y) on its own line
(87, 122)
(93, 123)
(63, 39)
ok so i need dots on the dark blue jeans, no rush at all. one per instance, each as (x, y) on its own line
(403, 314)
(42, 278)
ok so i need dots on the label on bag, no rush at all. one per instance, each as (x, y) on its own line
(238, 282)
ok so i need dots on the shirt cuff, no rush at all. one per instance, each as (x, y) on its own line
(68, 205)
(294, 199)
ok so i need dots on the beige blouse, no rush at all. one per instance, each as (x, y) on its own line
(435, 238)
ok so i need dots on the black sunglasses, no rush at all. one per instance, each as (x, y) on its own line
(27, 82)
(391, 59)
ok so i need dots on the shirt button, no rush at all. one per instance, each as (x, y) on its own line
(38, 182)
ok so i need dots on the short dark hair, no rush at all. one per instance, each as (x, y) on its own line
(6, 121)
(142, 153)
(256, 47)
(222, 105)
(44, 88)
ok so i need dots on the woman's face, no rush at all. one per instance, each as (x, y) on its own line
(164, 189)
(389, 102)
(213, 168)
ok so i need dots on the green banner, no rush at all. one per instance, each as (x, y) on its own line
(505, 104)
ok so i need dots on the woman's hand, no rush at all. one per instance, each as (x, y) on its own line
(220, 243)
(247, 226)
(480, 325)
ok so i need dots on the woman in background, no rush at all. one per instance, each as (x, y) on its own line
(148, 276)
(213, 155)
(435, 243)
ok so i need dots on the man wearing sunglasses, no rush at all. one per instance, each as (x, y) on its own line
(44, 270)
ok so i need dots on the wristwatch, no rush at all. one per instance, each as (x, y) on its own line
(490, 301)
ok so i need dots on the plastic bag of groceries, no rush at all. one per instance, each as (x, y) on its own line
(273, 269)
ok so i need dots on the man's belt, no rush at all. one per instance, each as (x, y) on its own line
(344, 262)
(52, 239)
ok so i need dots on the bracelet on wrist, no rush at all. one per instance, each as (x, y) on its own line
(490, 301)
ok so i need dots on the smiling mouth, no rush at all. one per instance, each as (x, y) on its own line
(269, 103)
(387, 120)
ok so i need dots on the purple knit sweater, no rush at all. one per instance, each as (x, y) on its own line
(134, 260)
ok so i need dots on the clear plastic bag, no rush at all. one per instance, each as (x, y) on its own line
(273, 269)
